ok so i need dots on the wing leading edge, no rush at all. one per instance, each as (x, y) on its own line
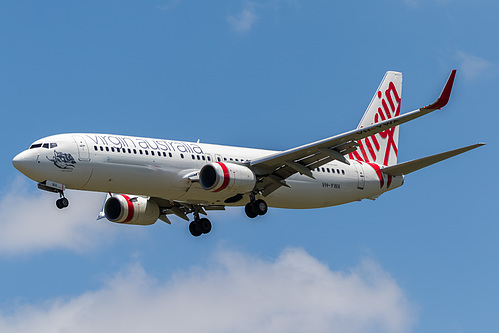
(274, 169)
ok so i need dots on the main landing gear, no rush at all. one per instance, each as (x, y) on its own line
(199, 226)
(255, 208)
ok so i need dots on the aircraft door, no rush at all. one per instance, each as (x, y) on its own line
(361, 175)
(83, 153)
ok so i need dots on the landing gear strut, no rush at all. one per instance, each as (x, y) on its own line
(199, 226)
(51, 186)
(255, 208)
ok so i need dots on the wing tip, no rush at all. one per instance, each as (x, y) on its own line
(443, 99)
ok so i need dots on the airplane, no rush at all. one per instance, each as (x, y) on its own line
(147, 179)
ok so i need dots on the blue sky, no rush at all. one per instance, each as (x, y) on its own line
(268, 74)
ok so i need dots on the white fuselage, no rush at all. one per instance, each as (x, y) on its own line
(168, 169)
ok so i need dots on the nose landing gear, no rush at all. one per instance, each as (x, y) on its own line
(51, 186)
(63, 202)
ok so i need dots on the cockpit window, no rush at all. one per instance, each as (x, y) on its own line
(44, 145)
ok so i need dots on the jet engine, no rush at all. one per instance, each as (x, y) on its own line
(228, 178)
(121, 208)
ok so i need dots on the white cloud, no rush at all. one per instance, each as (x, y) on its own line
(170, 5)
(247, 17)
(31, 222)
(235, 293)
(472, 66)
(244, 21)
(415, 3)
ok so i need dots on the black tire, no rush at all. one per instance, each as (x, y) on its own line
(194, 229)
(260, 207)
(65, 202)
(59, 203)
(250, 210)
(62, 203)
(204, 225)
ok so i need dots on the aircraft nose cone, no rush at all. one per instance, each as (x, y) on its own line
(23, 162)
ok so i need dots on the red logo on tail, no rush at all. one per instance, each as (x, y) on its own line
(372, 147)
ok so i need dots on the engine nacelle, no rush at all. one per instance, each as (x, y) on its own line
(228, 178)
(121, 208)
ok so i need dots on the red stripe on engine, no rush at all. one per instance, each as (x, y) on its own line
(226, 177)
(130, 209)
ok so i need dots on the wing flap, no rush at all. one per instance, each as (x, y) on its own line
(414, 165)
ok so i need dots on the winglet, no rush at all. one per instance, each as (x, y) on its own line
(444, 96)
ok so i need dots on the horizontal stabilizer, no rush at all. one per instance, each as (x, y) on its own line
(411, 166)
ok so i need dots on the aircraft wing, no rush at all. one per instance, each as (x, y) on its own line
(411, 166)
(274, 169)
(181, 209)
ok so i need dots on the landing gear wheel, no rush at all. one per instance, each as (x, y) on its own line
(62, 203)
(255, 208)
(204, 225)
(194, 229)
(249, 209)
(260, 207)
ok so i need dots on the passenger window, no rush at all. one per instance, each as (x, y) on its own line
(170, 154)
(338, 171)
(101, 148)
(193, 157)
(323, 170)
(152, 153)
(328, 170)
(147, 152)
(112, 149)
(343, 172)
(107, 148)
(181, 155)
(209, 158)
(199, 158)
(95, 148)
(135, 151)
(140, 151)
